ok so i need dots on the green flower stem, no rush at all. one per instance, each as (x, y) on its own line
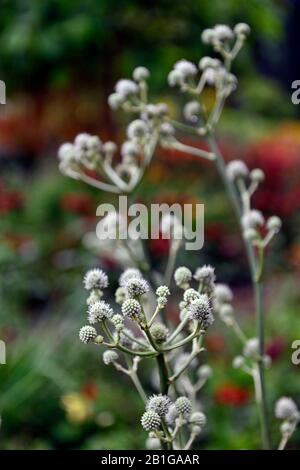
(197, 348)
(186, 340)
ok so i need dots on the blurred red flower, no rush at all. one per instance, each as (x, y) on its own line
(90, 391)
(78, 203)
(275, 348)
(231, 394)
(10, 200)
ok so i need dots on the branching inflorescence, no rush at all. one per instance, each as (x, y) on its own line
(136, 328)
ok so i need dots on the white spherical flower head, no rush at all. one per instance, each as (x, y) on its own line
(242, 29)
(186, 68)
(109, 357)
(137, 129)
(171, 415)
(198, 419)
(190, 295)
(175, 77)
(257, 175)
(131, 308)
(237, 169)
(110, 147)
(136, 287)
(192, 111)
(252, 219)
(208, 36)
(95, 279)
(204, 372)
(126, 88)
(223, 293)
(274, 223)
(167, 131)
(99, 311)
(87, 333)
(206, 62)
(115, 101)
(66, 151)
(201, 311)
(150, 421)
(183, 406)
(205, 274)
(160, 404)
(286, 408)
(130, 149)
(118, 322)
(182, 277)
(163, 291)
(140, 74)
(251, 348)
(159, 333)
(223, 32)
(129, 273)
(238, 362)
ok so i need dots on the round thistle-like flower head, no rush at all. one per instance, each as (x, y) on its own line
(87, 333)
(95, 279)
(183, 406)
(109, 357)
(140, 74)
(252, 219)
(160, 404)
(208, 36)
(238, 362)
(223, 32)
(274, 223)
(126, 88)
(131, 309)
(150, 421)
(223, 293)
(286, 408)
(115, 100)
(99, 311)
(136, 287)
(192, 111)
(159, 332)
(129, 273)
(205, 274)
(186, 68)
(209, 62)
(200, 310)
(118, 322)
(182, 277)
(198, 419)
(130, 150)
(237, 169)
(204, 372)
(257, 175)
(163, 291)
(242, 29)
(190, 295)
(137, 129)
(251, 348)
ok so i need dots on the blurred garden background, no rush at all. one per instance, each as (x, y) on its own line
(60, 59)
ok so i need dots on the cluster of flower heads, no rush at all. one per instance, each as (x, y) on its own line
(256, 229)
(287, 411)
(178, 413)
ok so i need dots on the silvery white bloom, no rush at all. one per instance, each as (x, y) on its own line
(204, 372)
(118, 322)
(95, 279)
(171, 415)
(191, 111)
(66, 151)
(130, 148)
(115, 100)
(150, 421)
(175, 78)
(153, 443)
(126, 88)
(120, 295)
(186, 68)
(109, 357)
(140, 74)
(251, 348)
(167, 131)
(252, 219)
(136, 287)
(182, 277)
(200, 310)
(257, 175)
(209, 62)
(238, 362)
(131, 308)
(223, 32)
(137, 129)
(190, 295)
(242, 29)
(223, 293)
(274, 223)
(237, 169)
(198, 418)
(208, 36)
(87, 333)
(206, 277)
(99, 311)
(183, 406)
(129, 273)
(92, 298)
(163, 291)
(160, 404)
(286, 408)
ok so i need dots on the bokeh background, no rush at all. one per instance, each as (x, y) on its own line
(60, 60)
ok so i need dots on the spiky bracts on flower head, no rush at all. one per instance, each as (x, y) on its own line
(183, 406)
(87, 333)
(95, 279)
(132, 309)
(182, 277)
(159, 333)
(150, 420)
(160, 404)
(99, 311)
(129, 273)
(109, 357)
(136, 287)
(200, 310)
(286, 408)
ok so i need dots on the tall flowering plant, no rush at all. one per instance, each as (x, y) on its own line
(136, 328)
